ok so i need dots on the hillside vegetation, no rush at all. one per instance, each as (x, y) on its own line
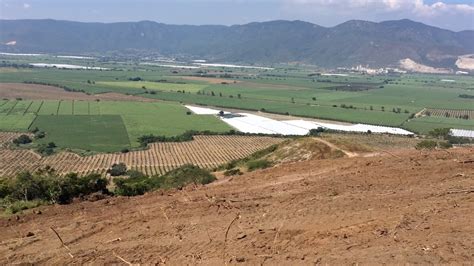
(347, 44)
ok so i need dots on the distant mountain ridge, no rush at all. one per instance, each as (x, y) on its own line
(351, 43)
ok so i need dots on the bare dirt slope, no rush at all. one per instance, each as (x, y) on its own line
(404, 207)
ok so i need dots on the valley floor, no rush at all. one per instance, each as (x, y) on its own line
(400, 207)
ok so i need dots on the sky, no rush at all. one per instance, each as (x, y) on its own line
(449, 14)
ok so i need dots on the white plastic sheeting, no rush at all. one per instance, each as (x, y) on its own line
(250, 123)
(349, 128)
(66, 66)
(464, 133)
(203, 110)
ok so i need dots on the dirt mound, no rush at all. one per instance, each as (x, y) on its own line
(413, 66)
(404, 207)
(43, 92)
(304, 149)
(466, 62)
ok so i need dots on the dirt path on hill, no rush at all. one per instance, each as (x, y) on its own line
(346, 152)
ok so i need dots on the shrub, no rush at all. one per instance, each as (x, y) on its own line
(426, 144)
(124, 150)
(258, 164)
(445, 145)
(46, 149)
(23, 139)
(117, 169)
(316, 131)
(233, 172)
(18, 206)
(441, 133)
(186, 175)
(39, 134)
(139, 184)
(46, 186)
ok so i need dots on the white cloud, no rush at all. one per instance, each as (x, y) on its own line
(417, 7)
(26, 5)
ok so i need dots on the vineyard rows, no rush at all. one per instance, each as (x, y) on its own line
(204, 151)
(449, 113)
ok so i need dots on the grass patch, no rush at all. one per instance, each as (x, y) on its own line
(258, 164)
(15, 122)
(104, 133)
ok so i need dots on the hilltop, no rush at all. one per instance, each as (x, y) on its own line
(348, 44)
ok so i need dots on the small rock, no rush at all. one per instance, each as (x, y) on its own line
(241, 236)
(30, 234)
(240, 259)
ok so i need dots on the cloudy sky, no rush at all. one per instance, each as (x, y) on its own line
(450, 14)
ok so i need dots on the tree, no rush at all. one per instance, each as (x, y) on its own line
(441, 133)
(314, 98)
(117, 169)
(23, 139)
(316, 131)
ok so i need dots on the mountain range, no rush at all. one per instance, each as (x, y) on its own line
(351, 43)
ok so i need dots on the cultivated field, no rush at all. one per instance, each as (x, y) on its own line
(204, 151)
(103, 126)
(449, 113)
(380, 100)
(43, 92)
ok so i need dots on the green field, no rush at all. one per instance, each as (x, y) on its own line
(423, 125)
(103, 126)
(85, 132)
(15, 122)
(388, 100)
(296, 91)
(152, 85)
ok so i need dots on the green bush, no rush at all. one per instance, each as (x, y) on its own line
(258, 164)
(22, 139)
(18, 206)
(138, 184)
(445, 145)
(441, 133)
(45, 185)
(316, 131)
(39, 134)
(233, 172)
(46, 149)
(426, 145)
(185, 175)
(117, 169)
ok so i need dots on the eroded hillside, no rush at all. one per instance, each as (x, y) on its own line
(402, 206)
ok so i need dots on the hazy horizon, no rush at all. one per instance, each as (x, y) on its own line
(456, 15)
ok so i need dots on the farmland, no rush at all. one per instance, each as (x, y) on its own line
(102, 126)
(449, 113)
(380, 100)
(135, 99)
(204, 151)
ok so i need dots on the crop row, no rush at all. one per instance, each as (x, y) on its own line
(449, 113)
(204, 151)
